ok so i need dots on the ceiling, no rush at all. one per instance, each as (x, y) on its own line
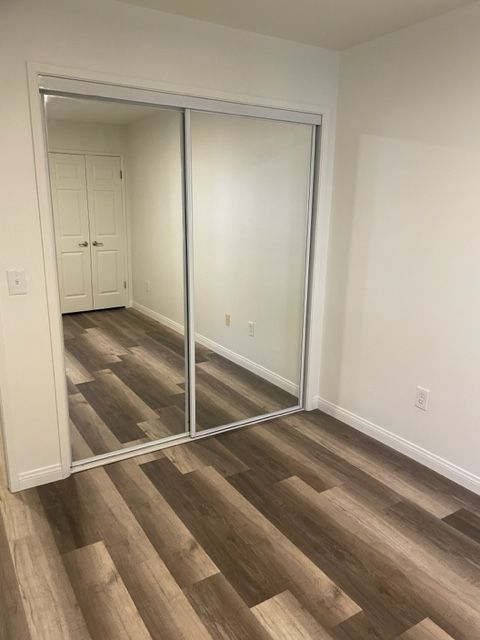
(334, 24)
(100, 111)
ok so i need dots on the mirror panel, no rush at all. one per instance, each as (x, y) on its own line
(250, 191)
(116, 172)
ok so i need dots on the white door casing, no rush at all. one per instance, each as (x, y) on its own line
(89, 231)
(72, 235)
(105, 206)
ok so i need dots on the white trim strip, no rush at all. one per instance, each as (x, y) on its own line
(308, 258)
(37, 477)
(55, 85)
(251, 421)
(431, 460)
(189, 270)
(242, 361)
(129, 452)
(154, 315)
(262, 372)
(143, 449)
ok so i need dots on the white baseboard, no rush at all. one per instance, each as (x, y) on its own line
(36, 477)
(431, 460)
(260, 371)
(172, 324)
(250, 365)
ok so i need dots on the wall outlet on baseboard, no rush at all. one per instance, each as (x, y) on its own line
(251, 328)
(147, 286)
(422, 398)
(227, 319)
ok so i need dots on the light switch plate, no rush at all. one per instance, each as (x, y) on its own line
(17, 282)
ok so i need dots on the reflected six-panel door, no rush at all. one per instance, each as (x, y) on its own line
(251, 181)
(72, 233)
(89, 223)
(107, 231)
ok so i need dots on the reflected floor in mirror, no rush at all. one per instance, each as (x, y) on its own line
(126, 382)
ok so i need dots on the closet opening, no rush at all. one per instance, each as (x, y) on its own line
(182, 240)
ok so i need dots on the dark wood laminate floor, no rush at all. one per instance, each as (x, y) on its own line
(295, 529)
(126, 382)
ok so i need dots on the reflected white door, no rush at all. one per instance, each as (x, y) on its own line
(104, 191)
(89, 231)
(72, 234)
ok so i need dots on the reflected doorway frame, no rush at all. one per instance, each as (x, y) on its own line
(48, 80)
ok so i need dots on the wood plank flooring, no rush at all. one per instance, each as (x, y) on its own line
(126, 382)
(295, 529)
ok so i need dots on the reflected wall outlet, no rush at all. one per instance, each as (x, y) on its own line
(422, 398)
(227, 319)
(251, 328)
(147, 286)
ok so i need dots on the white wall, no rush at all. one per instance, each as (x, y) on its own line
(110, 37)
(250, 200)
(155, 194)
(65, 135)
(250, 186)
(403, 306)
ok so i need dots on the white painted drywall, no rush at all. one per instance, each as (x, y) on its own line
(64, 135)
(250, 188)
(250, 201)
(155, 195)
(403, 305)
(128, 43)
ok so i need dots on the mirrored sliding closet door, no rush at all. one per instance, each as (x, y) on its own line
(251, 183)
(182, 232)
(116, 177)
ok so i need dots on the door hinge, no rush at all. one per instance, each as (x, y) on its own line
(124, 284)
(121, 174)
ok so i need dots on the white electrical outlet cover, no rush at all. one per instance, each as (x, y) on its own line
(422, 398)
